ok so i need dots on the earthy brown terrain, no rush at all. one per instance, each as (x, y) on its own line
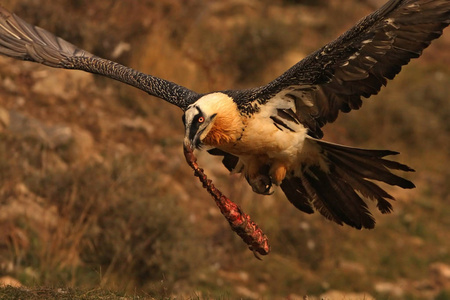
(95, 193)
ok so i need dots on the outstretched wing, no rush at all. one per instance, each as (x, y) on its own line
(358, 63)
(20, 40)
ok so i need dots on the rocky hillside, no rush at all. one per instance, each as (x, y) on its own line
(94, 190)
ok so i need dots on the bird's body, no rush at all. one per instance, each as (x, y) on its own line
(254, 139)
(270, 146)
(272, 134)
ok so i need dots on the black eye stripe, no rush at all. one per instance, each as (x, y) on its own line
(195, 125)
(198, 116)
(200, 113)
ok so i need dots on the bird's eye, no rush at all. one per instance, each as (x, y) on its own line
(201, 119)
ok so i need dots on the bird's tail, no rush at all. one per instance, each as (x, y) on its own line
(336, 187)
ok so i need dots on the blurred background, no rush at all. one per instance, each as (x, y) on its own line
(95, 192)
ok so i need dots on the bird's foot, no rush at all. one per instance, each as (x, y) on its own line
(261, 184)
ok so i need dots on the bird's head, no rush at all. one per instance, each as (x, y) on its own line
(198, 123)
(210, 121)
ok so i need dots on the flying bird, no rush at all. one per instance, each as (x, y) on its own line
(272, 134)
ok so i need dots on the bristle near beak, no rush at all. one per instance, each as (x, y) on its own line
(188, 144)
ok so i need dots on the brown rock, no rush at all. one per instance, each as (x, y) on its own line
(440, 274)
(339, 295)
(4, 118)
(52, 136)
(61, 83)
(9, 281)
(389, 288)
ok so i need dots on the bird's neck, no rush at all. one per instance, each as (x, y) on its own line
(227, 129)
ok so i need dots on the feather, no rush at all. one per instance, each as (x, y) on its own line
(296, 194)
(359, 62)
(338, 190)
(20, 40)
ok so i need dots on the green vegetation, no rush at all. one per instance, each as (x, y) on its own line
(96, 201)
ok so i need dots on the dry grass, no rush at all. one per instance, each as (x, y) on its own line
(10, 293)
(101, 214)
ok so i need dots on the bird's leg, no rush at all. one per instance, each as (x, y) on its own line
(259, 179)
(277, 172)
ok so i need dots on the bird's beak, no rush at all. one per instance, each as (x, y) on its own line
(188, 141)
(188, 144)
(191, 140)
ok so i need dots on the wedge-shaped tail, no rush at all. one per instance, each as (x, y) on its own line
(337, 192)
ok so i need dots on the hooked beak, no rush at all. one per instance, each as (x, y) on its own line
(187, 144)
(192, 141)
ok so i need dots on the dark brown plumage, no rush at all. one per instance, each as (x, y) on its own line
(358, 63)
(350, 169)
(20, 40)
